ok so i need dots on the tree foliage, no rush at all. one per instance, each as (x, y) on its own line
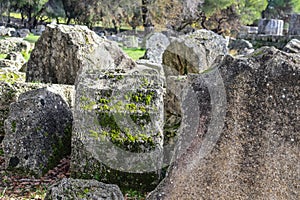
(296, 6)
(217, 15)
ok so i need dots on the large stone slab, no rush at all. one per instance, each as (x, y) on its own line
(83, 189)
(193, 53)
(37, 131)
(12, 44)
(240, 135)
(156, 44)
(62, 50)
(118, 137)
(9, 93)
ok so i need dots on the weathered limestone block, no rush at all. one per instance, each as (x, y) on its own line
(37, 132)
(7, 96)
(9, 93)
(130, 41)
(11, 64)
(294, 25)
(83, 189)
(118, 121)
(62, 50)
(240, 46)
(270, 27)
(193, 53)
(292, 46)
(23, 33)
(156, 44)
(7, 31)
(247, 148)
(12, 44)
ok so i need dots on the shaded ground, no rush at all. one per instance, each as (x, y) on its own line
(28, 187)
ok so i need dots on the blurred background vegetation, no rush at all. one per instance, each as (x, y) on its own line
(220, 16)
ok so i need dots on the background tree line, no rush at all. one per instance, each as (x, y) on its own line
(221, 16)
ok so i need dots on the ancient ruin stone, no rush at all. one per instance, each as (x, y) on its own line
(12, 44)
(7, 96)
(193, 53)
(7, 31)
(247, 148)
(292, 46)
(270, 27)
(10, 75)
(9, 93)
(130, 41)
(240, 47)
(118, 121)
(294, 28)
(83, 189)
(37, 132)
(62, 50)
(156, 44)
(10, 64)
(23, 33)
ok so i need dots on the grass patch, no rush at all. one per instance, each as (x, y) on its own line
(134, 53)
(2, 56)
(14, 15)
(32, 38)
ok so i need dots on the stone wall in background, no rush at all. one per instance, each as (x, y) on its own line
(270, 27)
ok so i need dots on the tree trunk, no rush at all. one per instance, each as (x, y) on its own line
(147, 23)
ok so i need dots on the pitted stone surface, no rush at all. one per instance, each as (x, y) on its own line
(193, 53)
(156, 44)
(292, 46)
(83, 189)
(118, 121)
(37, 132)
(12, 44)
(9, 93)
(256, 154)
(62, 50)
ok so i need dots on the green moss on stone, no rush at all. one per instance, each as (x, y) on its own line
(13, 126)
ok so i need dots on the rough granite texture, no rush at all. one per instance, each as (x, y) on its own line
(12, 44)
(37, 132)
(62, 50)
(255, 154)
(293, 46)
(193, 53)
(9, 93)
(83, 189)
(294, 24)
(156, 44)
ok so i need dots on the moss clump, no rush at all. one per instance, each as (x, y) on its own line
(11, 77)
(61, 148)
(139, 182)
(143, 96)
(13, 126)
